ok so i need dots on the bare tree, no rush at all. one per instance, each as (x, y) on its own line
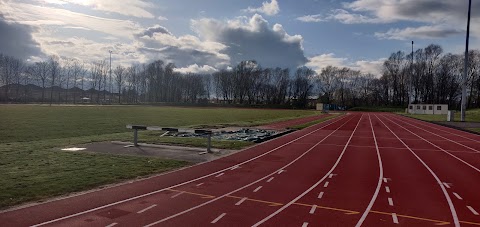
(54, 72)
(119, 79)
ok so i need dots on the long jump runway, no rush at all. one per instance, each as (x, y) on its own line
(359, 169)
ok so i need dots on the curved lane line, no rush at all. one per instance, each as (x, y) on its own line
(246, 186)
(186, 182)
(380, 179)
(313, 186)
(445, 193)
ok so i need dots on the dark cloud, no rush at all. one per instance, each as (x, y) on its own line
(16, 40)
(181, 57)
(254, 40)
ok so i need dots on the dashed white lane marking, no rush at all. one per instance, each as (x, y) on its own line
(320, 195)
(148, 208)
(305, 224)
(218, 218)
(387, 189)
(241, 201)
(235, 167)
(258, 188)
(447, 185)
(325, 185)
(457, 195)
(395, 218)
(386, 180)
(219, 175)
(331, 175)
(390, 201)
(199, 184)
(177, 195)
(313, 209)
(271, 178)
(281, 171)
(113, 224)
(473, 210)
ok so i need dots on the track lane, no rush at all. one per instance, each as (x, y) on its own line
(57, 210)
(407, 184)
(223, 204)
(458, 179)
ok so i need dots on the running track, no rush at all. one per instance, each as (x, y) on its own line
(359, 169)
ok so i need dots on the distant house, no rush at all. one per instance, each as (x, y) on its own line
(428, 108)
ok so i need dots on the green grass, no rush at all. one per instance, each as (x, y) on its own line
(33, 167)
(302, 126)
(472, 115)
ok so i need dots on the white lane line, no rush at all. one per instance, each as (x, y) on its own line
(390, 201)
(313, 209)
(218, 218)
(305, 224)
(395, 218)
(320, 195)
(199, 184)
(235, 167)
(241, 201)
(380, 177)
(457, 195)
(316, 184)
(473, 210)
(271, 178)
(331, 175)
(446, 185)
(387, 189)
(248, 185)
(449, 153)
(148, 208)
(386, 180)
(445, 193)
(258, 188)
(177, 194)
(219, 175)
(334, 120)
(113, 224)
(325, 185)
(281, 171)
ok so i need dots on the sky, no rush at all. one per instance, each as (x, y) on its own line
(210, 35)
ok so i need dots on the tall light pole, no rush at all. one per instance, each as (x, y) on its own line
(110, 51)
(411, 78)
(465, 69)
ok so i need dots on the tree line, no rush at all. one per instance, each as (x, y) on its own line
(425, 76)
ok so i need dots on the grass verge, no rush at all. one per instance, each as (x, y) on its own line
(378, 109)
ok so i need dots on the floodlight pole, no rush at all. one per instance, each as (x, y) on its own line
(411, 79)
(465, 69)
(110, 51)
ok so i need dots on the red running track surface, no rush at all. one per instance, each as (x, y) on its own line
(293, 122)
(359, 169)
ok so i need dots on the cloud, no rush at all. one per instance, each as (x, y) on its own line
(162, 18)
(205, 69)
(16, 40)
(311, 18)
(152, 30)
(42, 16)
(268, 8)
(346, 17)
(253, 39)
(135, 8)
(423, 32)
(321, 61)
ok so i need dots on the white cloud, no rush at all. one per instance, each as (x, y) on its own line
(42, 16)
(311, 18)
(205, 69)
(351, 18)
(423, 32)
(321, 61)
(135, 8)
(268, 8)
(162, 18)
(253, 39)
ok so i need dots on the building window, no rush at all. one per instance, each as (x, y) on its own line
(430, 107)
(418, 107)
(410, 107)
(439, 107)
(424, 107)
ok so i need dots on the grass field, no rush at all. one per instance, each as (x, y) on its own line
(32, 168)
(472, 115)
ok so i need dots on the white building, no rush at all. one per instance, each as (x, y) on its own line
(428, 108)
